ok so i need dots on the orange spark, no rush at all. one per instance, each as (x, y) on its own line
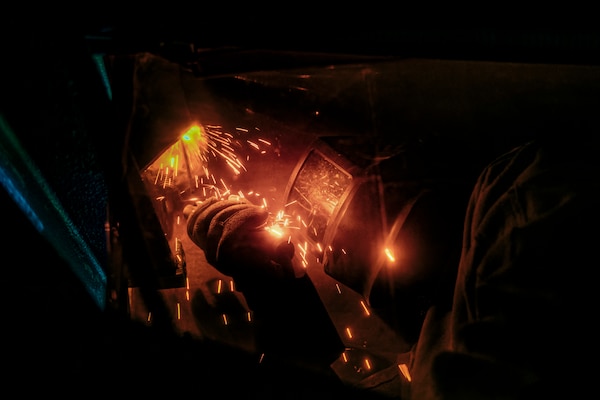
(364, 306)
(405, 372)
(290, 203)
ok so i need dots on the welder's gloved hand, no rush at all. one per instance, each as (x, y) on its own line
(234, 239)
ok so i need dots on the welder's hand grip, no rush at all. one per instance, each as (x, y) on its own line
(232, 234)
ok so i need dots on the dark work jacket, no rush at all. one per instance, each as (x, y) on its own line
(523, 314)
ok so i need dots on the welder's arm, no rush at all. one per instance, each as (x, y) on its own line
(234, 239)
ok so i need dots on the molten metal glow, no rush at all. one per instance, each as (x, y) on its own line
(389, 254)
(275, 230)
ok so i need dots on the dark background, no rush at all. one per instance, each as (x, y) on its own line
(55, 336)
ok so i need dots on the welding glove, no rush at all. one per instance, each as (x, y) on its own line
(232, 234)
(286, 305)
